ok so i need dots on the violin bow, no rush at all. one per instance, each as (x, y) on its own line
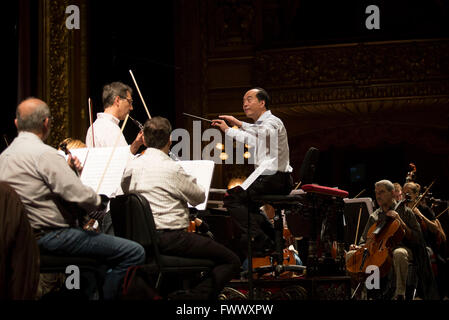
(6, 140)
(442, 213)
(140, 94)
(358, 220)
(422, 195)
(91, 121)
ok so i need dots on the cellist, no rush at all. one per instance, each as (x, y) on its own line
(402, 252)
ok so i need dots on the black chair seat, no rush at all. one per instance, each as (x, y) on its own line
(132, 219)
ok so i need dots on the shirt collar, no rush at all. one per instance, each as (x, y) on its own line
(30, 135)
(153, 152)
(108, 116)
(264, 116)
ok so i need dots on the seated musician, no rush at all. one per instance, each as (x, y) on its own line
(423, 213)
(47, 187)
(168, 189)
(105, 131)
(117, 103)
(404, 251)
(276, 179)
(433, 232)
(72, 143)
(397, 192)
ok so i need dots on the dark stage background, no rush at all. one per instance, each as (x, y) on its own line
(148, 36)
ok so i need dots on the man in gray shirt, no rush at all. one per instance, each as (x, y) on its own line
(47, 185)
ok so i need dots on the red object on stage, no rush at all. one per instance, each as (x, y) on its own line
(325, 190)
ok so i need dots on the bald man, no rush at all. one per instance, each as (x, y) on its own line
(274, 157)
(46, 184)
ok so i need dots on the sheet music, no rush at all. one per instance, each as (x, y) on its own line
(97, 159)
(366, 200)
(202, 170)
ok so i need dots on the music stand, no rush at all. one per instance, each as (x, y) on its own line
(351, 214)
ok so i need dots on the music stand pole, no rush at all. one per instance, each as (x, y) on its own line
(250, 259)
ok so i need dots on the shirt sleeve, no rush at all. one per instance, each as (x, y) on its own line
(249, 133)
(409, 218)
(187, 188)
(63, 181)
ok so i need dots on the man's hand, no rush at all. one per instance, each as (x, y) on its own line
(221, 124)
(231, 121)
(75, 164)
(393, 214)
(137, 143)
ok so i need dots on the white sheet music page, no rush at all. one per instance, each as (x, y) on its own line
(202, 170)
(94, 174)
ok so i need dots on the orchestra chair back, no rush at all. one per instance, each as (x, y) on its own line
(19, 254)
(132, 219)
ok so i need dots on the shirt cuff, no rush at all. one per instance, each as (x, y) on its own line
(245, 125)
(231, 132)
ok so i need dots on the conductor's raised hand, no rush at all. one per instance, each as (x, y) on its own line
(231, 121)
(221, 124)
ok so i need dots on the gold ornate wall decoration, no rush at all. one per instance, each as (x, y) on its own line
(342, 74)
(61, 68)
(232, 24)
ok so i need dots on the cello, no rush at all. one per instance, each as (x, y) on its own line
(382, 237)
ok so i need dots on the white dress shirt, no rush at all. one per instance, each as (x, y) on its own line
(166, 186)
(106, 132)
(269, 138)
(42, 177)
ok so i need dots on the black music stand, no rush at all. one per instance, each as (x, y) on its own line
(351, 214)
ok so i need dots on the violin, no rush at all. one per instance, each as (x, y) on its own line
(92, 224)
(382, 237)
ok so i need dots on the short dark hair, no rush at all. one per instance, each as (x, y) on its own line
(156, 132)
(262, 95)
(112, 90)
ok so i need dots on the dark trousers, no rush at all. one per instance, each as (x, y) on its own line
(191, 245)
(238, 202)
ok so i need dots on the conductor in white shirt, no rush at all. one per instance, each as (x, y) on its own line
(273, 156)
(168, 189)
(117, 103)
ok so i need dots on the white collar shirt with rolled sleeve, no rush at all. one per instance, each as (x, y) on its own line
(269, 138)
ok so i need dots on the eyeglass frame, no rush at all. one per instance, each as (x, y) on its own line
(130, 100)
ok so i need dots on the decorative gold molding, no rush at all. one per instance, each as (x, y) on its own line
(62, 69)
(343, 73)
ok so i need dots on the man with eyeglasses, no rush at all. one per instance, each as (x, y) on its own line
(117, 103)
(106, 132)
